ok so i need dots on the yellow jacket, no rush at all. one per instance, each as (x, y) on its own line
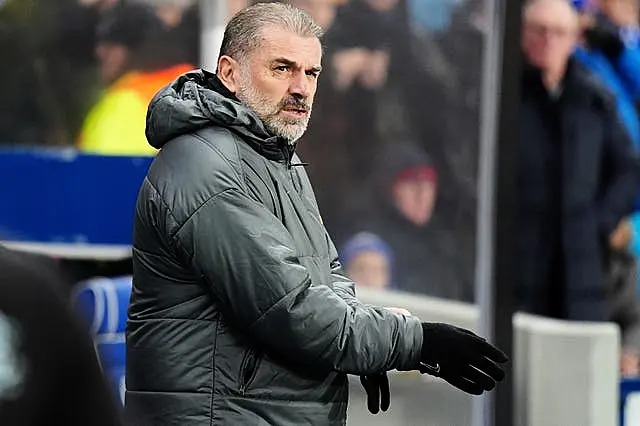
(116, 124)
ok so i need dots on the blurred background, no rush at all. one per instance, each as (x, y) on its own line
(392, 150)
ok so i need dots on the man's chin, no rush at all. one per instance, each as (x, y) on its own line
(292, 138)
(290, 132)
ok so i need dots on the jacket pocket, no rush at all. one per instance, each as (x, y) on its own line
(248, 369)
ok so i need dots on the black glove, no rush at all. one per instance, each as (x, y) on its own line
(378, 395)
(462, 358)
(606, 39)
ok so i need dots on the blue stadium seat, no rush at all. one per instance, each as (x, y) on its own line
(630, 402)
(102, 304)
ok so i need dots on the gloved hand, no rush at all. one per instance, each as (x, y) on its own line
(378, 395)
(604, 38)
(462, 358)
(377, 386)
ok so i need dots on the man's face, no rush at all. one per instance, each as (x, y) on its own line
(415, 199)
(322, 11)
(279, 80)
(621, 12)
(370, 269)
(550, 34)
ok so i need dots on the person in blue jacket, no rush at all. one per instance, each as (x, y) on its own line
(616, 60)
(611, 51)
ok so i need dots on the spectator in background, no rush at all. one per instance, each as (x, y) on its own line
(610, 50)
(137, 58)
(463, 46)
(368, 261)
(414, 104)
(399, 71)
(427, 259)
(342, 115)
(49, 372)
(604, 52)
(623, 15)
(323, 11)
(577, 175)
(432, 15)
(181, 19)
(47, 77)
(373, 93)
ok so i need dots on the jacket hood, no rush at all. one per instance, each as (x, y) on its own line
(198, 99)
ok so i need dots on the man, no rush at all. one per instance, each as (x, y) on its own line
(610, 50)
(239, 311)
(613, 58)
(577, 174)
(408, 216)
(49, 372)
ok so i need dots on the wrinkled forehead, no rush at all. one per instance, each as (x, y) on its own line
(552, 13)
(281, 43)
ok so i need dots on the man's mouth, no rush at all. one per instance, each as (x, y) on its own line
(296, 111)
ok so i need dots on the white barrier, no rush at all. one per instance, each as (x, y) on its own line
(566, 373)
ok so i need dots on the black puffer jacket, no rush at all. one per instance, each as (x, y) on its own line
(239, 312)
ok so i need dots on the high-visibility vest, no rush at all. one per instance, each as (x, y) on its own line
(116, 123)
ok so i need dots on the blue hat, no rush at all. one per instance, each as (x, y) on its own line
(365, 242)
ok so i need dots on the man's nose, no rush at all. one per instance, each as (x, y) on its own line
(300, 85)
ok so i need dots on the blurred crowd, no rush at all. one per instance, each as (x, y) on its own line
(388, 112)
(393, 145)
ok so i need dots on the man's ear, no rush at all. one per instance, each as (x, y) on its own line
(229, 72)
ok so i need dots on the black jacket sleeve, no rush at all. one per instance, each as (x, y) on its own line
(247, 257)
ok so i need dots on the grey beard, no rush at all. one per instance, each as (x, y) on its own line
(284, 130)
(290, 131)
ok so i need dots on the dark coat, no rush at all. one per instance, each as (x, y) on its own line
(428, 259)
(577, 178)
(240, 313)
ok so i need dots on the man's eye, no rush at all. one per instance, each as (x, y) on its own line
(313, 73)
(282, 68)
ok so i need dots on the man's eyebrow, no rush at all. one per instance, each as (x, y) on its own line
(285, 61)
(293, 64)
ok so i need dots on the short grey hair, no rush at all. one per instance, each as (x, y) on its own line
(243, 32)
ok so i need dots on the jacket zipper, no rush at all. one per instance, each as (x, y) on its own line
(248, 370)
